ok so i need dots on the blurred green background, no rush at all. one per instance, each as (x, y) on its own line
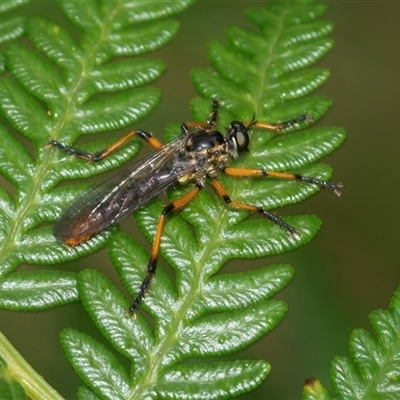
(350, 268)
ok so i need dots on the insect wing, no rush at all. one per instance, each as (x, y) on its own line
(123, 193)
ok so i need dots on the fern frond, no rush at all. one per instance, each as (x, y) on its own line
(204, 314)
(373, 370)
(63, 88)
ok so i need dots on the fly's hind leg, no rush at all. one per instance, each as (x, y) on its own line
(151, 266)
(99, 155)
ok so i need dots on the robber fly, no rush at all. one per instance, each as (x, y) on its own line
(200, 152)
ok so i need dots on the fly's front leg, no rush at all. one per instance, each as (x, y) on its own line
(278, 127)
(219, 188)
(211, 122)
(254, 172)
(151, 266)
(99, 155)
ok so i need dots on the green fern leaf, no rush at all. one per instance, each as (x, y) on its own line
(205, 314)
(374, 369)
(84, 393)
(96, 363)
(61, 88)
(25, 289)
(11, 25)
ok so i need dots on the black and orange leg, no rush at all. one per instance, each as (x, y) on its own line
(99, 155)
(278, 127)
(212, 122)
(219, 188)
(255, 172)
(209, 124)
(151, 266)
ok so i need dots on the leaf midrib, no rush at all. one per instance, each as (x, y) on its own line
(268, 59)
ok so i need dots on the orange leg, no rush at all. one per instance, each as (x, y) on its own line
(254, 172)
(99, 155)
(194, 125)
(277, 127)
(151, 266)
(210, 124)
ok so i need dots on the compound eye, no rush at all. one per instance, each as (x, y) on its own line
(240, 135)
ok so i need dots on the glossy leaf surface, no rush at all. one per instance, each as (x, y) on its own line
(373, 369)
(204, 313)
(61, 87)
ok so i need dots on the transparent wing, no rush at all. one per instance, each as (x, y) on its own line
(123, 193)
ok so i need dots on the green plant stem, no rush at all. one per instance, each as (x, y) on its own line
(33, 383)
